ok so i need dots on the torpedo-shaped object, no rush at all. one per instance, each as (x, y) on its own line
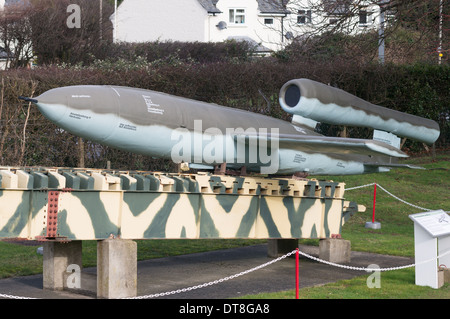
(185, 130)
(327, 104)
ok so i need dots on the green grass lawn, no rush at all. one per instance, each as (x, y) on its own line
(428, 188)
(21, 260)
(396, 284)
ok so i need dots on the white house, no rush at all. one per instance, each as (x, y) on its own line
(259, 21)
(269, 23)
(308, 16)
(7, 47)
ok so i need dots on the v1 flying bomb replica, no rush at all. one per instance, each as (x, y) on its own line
(207, 135)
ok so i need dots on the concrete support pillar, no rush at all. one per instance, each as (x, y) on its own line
(116, 268)
(335, 250)
(280, 247)
(57, 258)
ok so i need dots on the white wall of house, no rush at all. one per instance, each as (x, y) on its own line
(269, 29)
(307, 16)
(244, 19)
(187, 20)
(151, 20)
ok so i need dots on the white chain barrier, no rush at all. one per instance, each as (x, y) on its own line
(362, 186)
(390, 194)
(373, 269)
(215, 281)
(14, 297)
(278, 259)
(260, 267)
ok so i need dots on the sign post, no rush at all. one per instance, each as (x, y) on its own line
(431, 239)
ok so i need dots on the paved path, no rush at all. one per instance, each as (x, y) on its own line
(172, 273)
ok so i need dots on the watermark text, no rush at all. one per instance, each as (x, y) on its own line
(74, 19)
(234, 146)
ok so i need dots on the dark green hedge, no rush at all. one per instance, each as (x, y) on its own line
(251, 84)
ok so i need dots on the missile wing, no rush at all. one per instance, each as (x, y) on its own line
(204, 134)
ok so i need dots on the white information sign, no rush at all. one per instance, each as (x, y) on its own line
(431, 246)
(436, 223)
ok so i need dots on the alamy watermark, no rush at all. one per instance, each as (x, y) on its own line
(73, 281)
(74, 19)
(374, 280)
(234, 146)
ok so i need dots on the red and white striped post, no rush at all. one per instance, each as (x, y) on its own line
(374, 201)
(374, 224)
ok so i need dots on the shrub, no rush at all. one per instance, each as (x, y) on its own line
(252, 84)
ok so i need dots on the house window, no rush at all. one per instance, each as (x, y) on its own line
(304, 17)
(268, 21)
(333, 21)
(237, 16)
(363, 17)
(337, 7)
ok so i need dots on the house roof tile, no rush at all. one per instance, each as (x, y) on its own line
(264, 6)
(272, 6)
(210, 5)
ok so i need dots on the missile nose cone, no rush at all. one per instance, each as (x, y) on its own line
(52, 105)
(87, 111)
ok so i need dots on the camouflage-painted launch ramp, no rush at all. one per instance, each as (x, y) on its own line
(90, 204)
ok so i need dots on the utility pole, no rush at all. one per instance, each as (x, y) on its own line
(101, 20)
(441, 20)
(381, 32)
(115, 21)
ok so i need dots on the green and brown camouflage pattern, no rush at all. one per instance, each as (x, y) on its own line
(92, 204)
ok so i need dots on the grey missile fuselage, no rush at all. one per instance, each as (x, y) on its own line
(327, 104)
(166, 126)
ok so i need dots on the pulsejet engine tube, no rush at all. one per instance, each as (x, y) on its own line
(327, 104)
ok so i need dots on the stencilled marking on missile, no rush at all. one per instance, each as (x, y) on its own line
(340, 164)
(298, 158)
(152, 107)
(127, 127)
(77, 96)
(79, 116)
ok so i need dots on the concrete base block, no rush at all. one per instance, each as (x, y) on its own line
(280, 247)
(373, 225)
(335, 250)
(57, 258)
(116, 268)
